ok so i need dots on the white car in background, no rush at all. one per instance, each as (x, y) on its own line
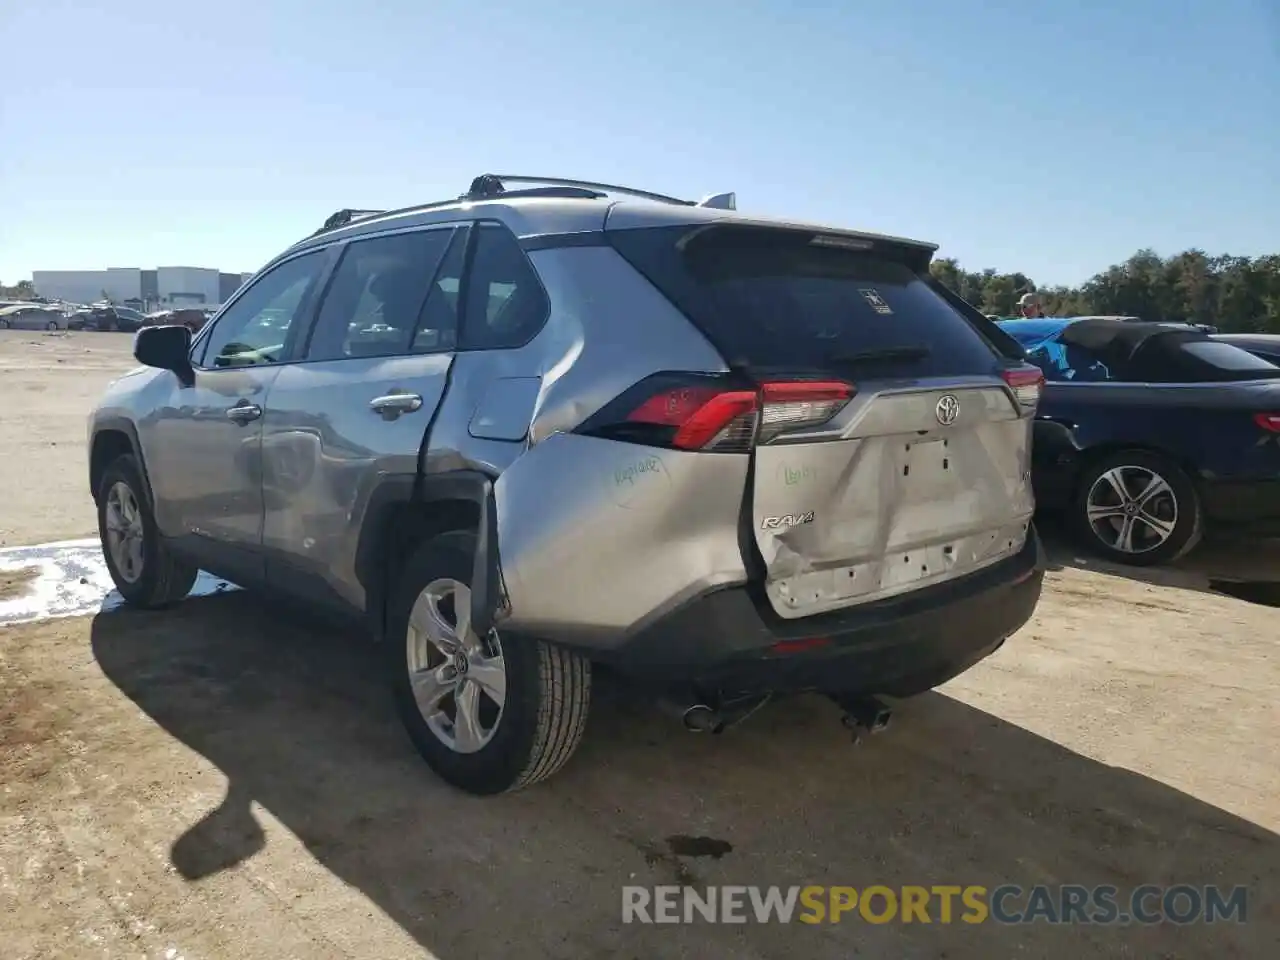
(32, 316)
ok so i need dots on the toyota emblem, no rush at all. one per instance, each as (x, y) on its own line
(947, 410)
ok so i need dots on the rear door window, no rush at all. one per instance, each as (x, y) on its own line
(775, 298)
(438, 326)
(377, 296)
(505, 303)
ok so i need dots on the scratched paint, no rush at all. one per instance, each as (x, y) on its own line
(72, 581)
(633, 481)
(793, 476)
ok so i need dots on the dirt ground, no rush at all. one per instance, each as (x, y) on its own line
(14, 583)
(49, 382)
(217, 782)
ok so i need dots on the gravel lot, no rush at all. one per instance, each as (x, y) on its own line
(218, 782)
(51, 382)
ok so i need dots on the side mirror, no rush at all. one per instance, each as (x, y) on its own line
(166, 348)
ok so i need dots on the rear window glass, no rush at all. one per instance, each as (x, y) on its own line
(770, 298)
(1177, 360)
(1226, 356)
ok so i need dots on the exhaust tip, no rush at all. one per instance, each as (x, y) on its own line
(702, 719)
(865, 713)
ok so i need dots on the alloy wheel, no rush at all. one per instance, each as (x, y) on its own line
(459, 680)
(1132, 509)
(125, 531)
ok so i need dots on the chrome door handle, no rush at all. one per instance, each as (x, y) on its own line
(392, 405)
(244, 412)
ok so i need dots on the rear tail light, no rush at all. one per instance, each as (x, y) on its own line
(1268, 421)
(1026, 384)
(701, 417)
(711, 414)
(803, 404)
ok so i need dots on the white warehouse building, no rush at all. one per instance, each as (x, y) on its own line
(86, 286)
(187, 286)
(167, 287)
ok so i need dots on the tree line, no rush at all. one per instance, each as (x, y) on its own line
(22, 290)
(1234, 294)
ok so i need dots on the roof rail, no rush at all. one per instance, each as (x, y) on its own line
(491, 185)
(344, 217)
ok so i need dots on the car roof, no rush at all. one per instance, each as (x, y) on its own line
(23, 307)
(1127, 318)
(1261, 339)
(1120, 339)
(1101, 330)
(1038, 328)
(533, 216)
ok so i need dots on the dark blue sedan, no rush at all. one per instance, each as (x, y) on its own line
(1148, 433)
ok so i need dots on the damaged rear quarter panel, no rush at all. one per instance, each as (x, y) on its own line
(597, 538)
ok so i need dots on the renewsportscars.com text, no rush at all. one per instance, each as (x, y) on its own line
(972, 904)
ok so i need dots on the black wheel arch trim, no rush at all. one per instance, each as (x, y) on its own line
(1086, 457)
(473, 486)
(115, 424)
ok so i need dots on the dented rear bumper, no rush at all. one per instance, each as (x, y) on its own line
(637, 561)
(728, 640)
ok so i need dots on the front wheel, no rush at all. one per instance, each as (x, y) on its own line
(51, 325)
(488, 714)
(141, 566)
(1138, 508)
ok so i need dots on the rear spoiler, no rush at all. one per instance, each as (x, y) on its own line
(914, 253)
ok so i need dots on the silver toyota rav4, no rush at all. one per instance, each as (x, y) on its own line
(533, 432)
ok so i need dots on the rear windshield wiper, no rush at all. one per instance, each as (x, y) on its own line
(882, 356)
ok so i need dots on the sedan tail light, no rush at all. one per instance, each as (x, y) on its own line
(1268, 421)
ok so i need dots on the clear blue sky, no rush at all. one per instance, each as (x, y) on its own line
(1051, 136)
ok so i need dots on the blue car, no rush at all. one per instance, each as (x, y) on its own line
(1147, 434)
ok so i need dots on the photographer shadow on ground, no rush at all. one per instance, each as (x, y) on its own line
(299, 722)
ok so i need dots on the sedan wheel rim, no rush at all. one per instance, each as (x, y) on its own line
(459, 680)
(124, 531)
(1132, 509)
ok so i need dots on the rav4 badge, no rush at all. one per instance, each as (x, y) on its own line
(789, 520)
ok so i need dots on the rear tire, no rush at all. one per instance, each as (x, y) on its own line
(1138, 508)
(143, 569)
(546, 690)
